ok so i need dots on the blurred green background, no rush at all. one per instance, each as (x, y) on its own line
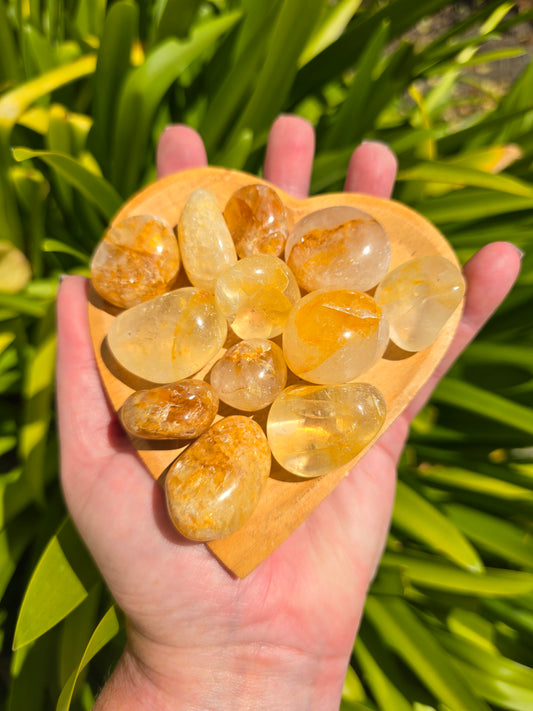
(86, 88)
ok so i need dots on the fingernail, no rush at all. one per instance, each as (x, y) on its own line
(62, 276)
(521, 252)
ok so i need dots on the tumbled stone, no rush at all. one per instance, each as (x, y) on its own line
(136, 260)
(182, 410)
(170, 337)
(214, 486)
(314, 429)
(334, 336)
(338, 248)
(257, 221)
(250, 374)
(256, 295)
(418, 297)
(205, 241)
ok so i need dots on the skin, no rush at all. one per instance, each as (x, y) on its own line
(199, 638)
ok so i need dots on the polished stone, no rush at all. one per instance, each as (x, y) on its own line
(250, 374)
(418, 297)
(182, 410)
(256, 295)
(204, 239)
(136, 260)
(170, 337)
(315, 429)
(257, 221)
(338, 248)
(214, 486)
(334, 336)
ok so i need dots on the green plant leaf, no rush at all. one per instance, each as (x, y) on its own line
(120, 32)
(401, 630)
(14, 539)
(420, 519)
(384, 690)
(143, 91)
(507, 540)
(107, 628)
(93, 187)
(175, 17)
(293, 27)
(482, 402)
(463, 176)
(430, 573)
(61, 580)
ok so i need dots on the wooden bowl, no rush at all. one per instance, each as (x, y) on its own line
(286, 500)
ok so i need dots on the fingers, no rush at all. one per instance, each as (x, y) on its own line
(289, 155)
(372, 170)
(180, 147)
(490, 275)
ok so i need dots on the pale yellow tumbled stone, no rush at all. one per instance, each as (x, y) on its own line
(205, 242)
(334, 336)
(250, 374)
(170, 337)
(256, 295)
(214, 486)
(338, 248)
(418, 297)
(314, 429)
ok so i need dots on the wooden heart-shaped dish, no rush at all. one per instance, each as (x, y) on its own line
(287, 500)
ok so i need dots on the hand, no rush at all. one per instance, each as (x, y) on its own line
(198, 638)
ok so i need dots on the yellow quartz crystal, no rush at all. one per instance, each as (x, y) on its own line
(214, 486)
(256, 295)
(205, 241)
(136, 260)
(418, 297)
(314, 429)
(170, 337)
(334, 336)
(250, 374)
(338, 248)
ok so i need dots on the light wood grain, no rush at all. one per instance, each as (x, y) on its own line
(286, 501)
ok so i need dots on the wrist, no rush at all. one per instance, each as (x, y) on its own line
(258, 677)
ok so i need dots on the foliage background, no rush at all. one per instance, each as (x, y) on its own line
(86, 88)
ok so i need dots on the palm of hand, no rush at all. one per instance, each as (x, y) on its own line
(309, 594)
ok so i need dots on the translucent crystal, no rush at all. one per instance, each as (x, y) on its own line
(315, 429)
(257, 221)
(170, 337)
(182, 410)
(418, 297)
(334, 336)
(205, 241)
(214, 486)
(136, 260)
(250, 374)
(338, 248)
(256, 295)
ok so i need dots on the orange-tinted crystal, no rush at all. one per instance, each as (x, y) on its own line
(182, 410)
(136, 260)
(257, 221)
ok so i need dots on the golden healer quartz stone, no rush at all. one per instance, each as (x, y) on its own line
(214, 486)
(313, 429)
(338, 248)
(257, 221)
(334, 336)
(250, 374)
(135, 261)
(182, 410)
(204, 239)
(256, 295)
(418, 297)
(170, 337)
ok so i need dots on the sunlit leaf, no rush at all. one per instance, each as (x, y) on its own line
(61, 580)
